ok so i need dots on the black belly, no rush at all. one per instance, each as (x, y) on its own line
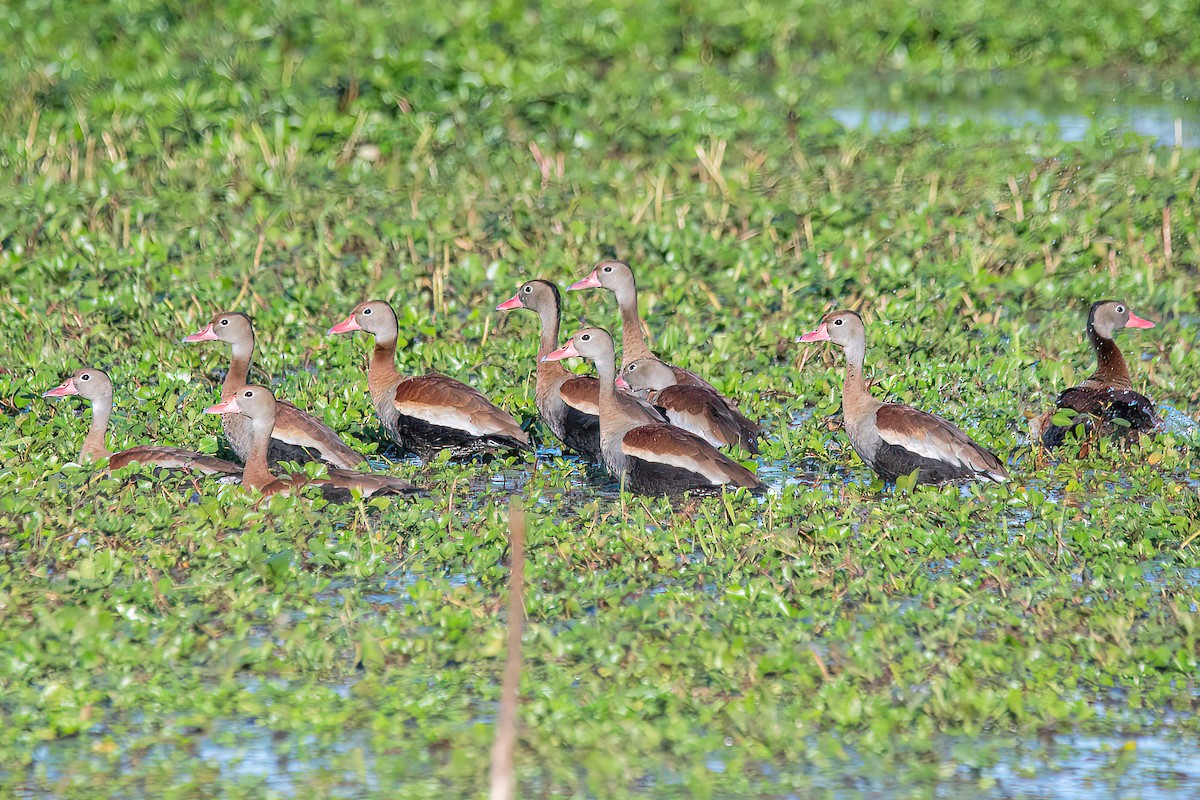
(581, 433)
(279, 452)
(427, 440)
(1118, 412)
(893, 461)
(648, 477)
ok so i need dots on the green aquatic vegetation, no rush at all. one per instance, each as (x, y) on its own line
(177, 638)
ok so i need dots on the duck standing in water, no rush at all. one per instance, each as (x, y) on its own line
(654, 458)
(1106, 401)
(569, 404)
(617, 277)
(895, 440)
(427, 413)
(689, 406)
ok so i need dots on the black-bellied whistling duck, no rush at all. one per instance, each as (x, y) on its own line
(617, 277)
(693, 408)
(258, 405)
(298, 436)
(895, 440)
(1108, 394)
(568, 403)
(427, 413)
(94, 384)
(655, 458)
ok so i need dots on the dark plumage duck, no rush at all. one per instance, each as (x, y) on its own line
(298, 436)
(691, 407)
(258, 405)
(569, 404)
(428, 413)
(655, 458)
(94, 384)
(893, 439)
(1106, 398)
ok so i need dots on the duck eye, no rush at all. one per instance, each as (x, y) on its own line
(225, 322)
(527, 289)
(608, 269)
(1120, 309)
(366, 312)
(248, 393)
(85, 377)
(587, 337)
(632, 367)
(837, 322)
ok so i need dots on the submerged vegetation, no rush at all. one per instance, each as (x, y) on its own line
(178, 639)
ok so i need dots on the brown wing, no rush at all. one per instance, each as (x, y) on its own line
(685, 377)
(370, 483)
(707, 414)
(583, 395)
(297, 427)
(1135, 410)
(338, 486)
(439, 400)
(932, 437)
(672, 446)
(174, 458)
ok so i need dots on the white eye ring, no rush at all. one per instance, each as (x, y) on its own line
(587, 337)
(1120, 309)
(366, 312)
(225, 322)
(85, 376)
(608, 269)
(527, 289)
(248, 393)
(837, 322)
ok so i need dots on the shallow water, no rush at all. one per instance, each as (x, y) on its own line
(1169, 118)
(1178, 422)
(240, 752)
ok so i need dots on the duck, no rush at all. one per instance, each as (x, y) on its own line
(897, 440)
(298, 436)
(1108, 395)
(427, 413)
(689, 406)
(617, 277)
(568, 404)
(258, 405)
(94, 384)
(650, 458)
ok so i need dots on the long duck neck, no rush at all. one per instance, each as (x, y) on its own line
(549, 370)
(633, 335)
(257, 472)
(93, 444)
(239, 367)
(856, 400)
(1111, 369)
(382, 374)
(612, 417)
